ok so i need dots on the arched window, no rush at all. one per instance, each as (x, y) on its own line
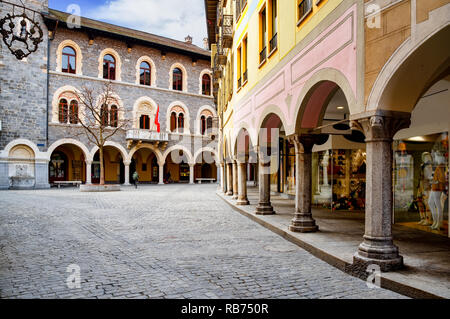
(203, 124)
(104, 115)
(145, 74)
(109, 67)
(173, 121)
(177, 79)
(62, 114)
(114, 116)
(206, 84)
(145, 122)
(181, 122)
(209, 123)
(69, 60)
(73, 112)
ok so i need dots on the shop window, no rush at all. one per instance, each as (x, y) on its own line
(69, 60)
(421, 183)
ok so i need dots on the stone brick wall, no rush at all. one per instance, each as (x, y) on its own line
(23, 86)
(126, 89)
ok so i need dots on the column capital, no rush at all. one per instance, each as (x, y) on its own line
(305, 142)
(88, 162)
(382, 127)
(127, 163)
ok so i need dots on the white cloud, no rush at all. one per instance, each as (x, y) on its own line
(170, 18)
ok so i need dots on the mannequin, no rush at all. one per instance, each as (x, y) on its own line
(424, 188)
(437, 187)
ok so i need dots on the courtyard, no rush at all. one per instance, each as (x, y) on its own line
(171, 241)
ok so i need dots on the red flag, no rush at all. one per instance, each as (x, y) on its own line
(158, 125)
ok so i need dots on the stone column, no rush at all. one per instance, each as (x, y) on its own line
(303, 222)
(222, 178)
(161, 174)
(191, 173)
(242, 184)
(264, 206)
(219, 178)
(88, 172)
(41, 174)
(229, 179)
(127, 173)
(378, 247)
(235, 181)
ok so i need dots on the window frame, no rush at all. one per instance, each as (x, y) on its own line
(108, 63)
(180, 80)
(149, 70)
(63, 116)
(74, 116)
(68, 56)
(208, 91)
(302, 18)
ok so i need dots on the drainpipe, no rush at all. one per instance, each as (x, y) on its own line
(50, 39)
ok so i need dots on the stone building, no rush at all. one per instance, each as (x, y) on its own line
(358, 93)
(155, 80)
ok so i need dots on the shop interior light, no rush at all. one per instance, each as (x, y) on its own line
(340, 107)
(417, 139)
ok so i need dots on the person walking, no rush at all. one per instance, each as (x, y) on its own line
(135, 178)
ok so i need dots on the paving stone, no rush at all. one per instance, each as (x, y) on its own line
(189, 244)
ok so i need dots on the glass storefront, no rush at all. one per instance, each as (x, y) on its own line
(421, 182)
(339, 179)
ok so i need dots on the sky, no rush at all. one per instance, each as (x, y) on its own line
(170, 18)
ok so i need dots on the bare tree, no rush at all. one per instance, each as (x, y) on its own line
(101, 117)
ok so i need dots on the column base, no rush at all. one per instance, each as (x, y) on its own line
(303, 223)
(378, 251)
(242, 202)
(229, 193)
(264, 209)
(126, 184)
(235, 196)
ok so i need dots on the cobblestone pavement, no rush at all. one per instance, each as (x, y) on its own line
(174, 241)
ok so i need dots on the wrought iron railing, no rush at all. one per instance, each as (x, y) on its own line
(304, 7)
(245, 75)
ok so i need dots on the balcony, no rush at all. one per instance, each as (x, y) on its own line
(220, 58)
(146, 136)
(227, 31)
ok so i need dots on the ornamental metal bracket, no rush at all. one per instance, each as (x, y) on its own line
(21, 34)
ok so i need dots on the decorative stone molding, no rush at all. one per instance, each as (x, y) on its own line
(144, 106)
(69, 93)
(118, 63)
(152, 70)
(79, 57)
(179, 107)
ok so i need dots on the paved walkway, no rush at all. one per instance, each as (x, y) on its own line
(426, 255)
(172, 241)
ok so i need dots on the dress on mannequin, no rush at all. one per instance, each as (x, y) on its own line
(437, 187)
(424, 188)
